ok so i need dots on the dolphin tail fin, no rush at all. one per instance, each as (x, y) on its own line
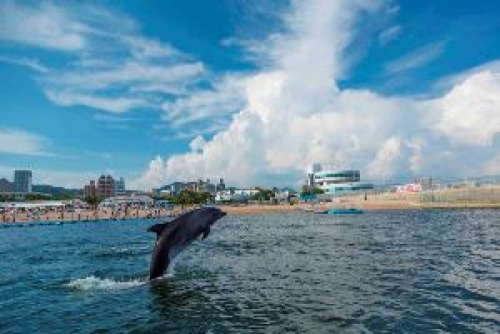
(158, 229)
(206, 232)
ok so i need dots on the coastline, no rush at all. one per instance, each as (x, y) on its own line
(366, 205)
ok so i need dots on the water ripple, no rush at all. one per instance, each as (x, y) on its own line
(395, 271)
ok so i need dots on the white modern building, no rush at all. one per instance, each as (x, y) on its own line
(236, 195)
(140, 200)
(338, 182)
(35, 205)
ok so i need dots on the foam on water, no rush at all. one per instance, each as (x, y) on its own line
(96, 283)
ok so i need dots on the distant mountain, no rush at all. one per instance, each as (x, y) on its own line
(56, 192)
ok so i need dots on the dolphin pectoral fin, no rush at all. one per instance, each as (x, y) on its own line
(158, 229)
(206, 232)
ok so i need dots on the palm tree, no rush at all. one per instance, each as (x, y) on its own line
(94, 201)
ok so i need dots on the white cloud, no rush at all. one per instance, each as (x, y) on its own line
(112, 66)
(128, 74)
(43, 25)
(31, 63)
(191, 132)
(389, 34)
(491, 167)
(13, 141)
(224, 99)
(271, 123)
(448, 82)
(470, 113)
(110, 104)
(382, 166)
(295, 114)
(416, 58)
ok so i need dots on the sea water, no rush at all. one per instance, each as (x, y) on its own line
(393, 271)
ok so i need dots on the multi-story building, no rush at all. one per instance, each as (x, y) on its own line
(199, 186)
(334, 182)
(106, 186)
(237, 195)
(6, 186)
(90, 190)
(120, 186)
(22, 181)
(205, 186)
(314, 168)
(221, 185)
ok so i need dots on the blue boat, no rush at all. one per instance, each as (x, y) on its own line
(349, 211)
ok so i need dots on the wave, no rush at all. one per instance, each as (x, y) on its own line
(96, 283)
(120, 252)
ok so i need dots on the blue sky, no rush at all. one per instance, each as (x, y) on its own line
(159, 91)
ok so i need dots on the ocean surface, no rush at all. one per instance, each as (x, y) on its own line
(398, 271)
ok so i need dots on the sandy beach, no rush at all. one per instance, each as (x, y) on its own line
(82, 215)
(477, 198)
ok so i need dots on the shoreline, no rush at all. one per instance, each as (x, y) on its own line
(370, 205)
(373, 206)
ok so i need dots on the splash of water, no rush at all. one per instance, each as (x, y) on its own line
(96, 283)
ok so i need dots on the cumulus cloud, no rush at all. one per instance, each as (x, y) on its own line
(470, 113)
(383, 164)
(294, 113)
(267, 125)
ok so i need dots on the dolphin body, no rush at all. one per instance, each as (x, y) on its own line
(173, 237)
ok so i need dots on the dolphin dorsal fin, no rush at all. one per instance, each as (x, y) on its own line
(158, 229)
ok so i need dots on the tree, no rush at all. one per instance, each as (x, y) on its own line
(317, 191)
(93, 201)
(190, 197)
(309, 191)
(263, 195)
(37, 197)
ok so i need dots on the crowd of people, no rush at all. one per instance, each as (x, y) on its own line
(70, 212)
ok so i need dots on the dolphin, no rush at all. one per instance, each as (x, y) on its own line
(173, 237)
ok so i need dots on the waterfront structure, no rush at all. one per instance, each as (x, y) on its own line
(334, 182)
(140, 200)
(313, 168)
(22, 181)
(35, 205)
